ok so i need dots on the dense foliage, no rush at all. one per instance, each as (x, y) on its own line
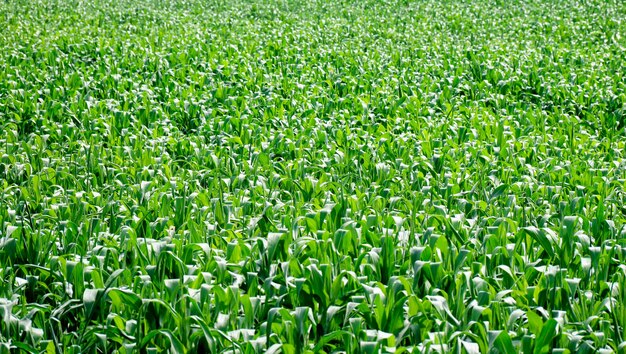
(312, 176)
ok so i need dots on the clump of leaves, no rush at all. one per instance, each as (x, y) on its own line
(304, 177)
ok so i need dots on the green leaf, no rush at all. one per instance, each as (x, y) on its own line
(91, 298)
(541, 237)
(124, 297)
(543, 343)
(175, 344)
(501, 341)
(535, 323)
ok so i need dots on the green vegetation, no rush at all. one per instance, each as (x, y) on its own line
(312, 176)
